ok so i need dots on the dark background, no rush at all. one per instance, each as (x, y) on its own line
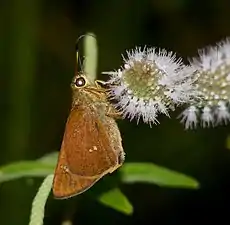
(37, 55)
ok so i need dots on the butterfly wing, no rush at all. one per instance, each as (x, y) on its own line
(86, 153)
(87, 144)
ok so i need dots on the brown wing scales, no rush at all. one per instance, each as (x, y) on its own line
(66, 184)
(87, 144)
(89, 150)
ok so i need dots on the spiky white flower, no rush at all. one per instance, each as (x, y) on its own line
(149, 83)
(213, 85)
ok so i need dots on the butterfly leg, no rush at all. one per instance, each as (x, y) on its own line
(99, 83)
(112, 112)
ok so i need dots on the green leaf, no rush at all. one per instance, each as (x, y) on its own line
(151, 173)
(37, 168)
(50, 158)
(24, 169)
(117, 200)
(130, 172)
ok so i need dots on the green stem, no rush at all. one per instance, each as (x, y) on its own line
(90, 54)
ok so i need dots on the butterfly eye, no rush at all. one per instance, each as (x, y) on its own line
(80, 82)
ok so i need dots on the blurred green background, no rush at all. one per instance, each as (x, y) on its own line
(37, 42)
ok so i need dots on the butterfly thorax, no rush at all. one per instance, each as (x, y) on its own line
(90, 97)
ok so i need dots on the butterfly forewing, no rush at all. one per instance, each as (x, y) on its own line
(86, 144)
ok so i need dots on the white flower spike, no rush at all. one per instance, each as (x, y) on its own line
(213, 85)
(149, 83)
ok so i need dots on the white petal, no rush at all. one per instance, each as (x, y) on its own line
(222, 113)
(117, 90)
(162, 108)
(189, 117)
(207, 117)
